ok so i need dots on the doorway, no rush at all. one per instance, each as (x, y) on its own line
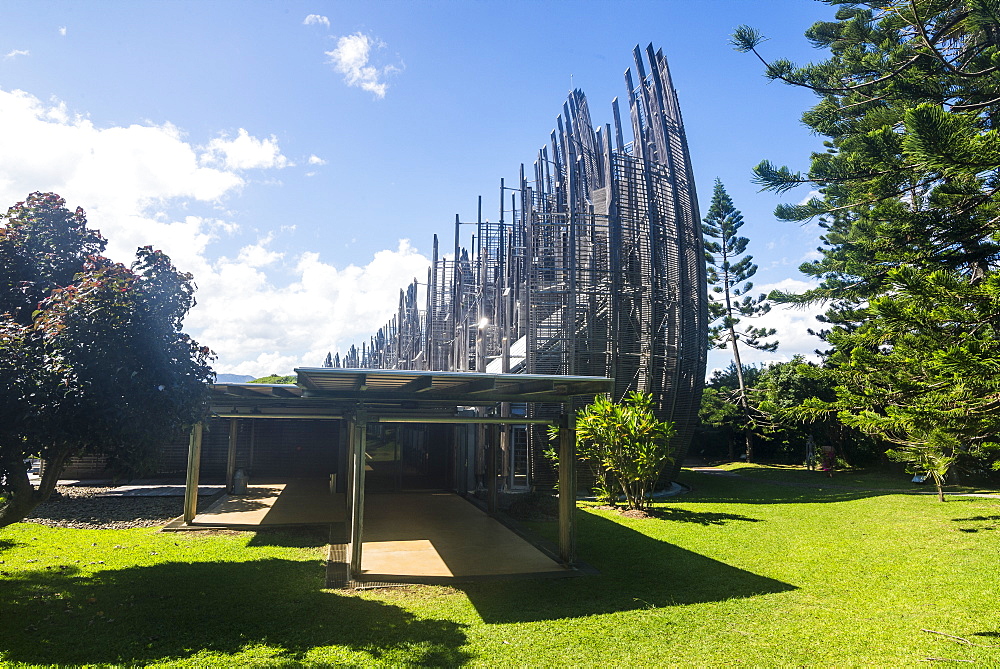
(403, 457)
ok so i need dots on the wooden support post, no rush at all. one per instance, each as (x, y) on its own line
(349, 480)
(253, 446)
(567, 489)
(193, 472)
(491, 468)
(357, 502)
(234, 433)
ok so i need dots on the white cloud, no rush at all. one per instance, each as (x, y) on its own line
(14, 53)
(245, 152)
(259, 327)
(792, 324)
(263, 311)
(258, 255)
(62, 30)
(351, 58)
(122, 176)
(316, 19)
(316, 160)
(809, 196)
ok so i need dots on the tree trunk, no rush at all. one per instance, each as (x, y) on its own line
(23, 497)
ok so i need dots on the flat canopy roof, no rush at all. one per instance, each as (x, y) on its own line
(472, 388)
(329, 390)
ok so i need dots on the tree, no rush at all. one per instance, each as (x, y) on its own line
(277, 378)
(730, 269)
(909, 190)
(721, 412)
(91, 352)
(627, 444)
(782, 390)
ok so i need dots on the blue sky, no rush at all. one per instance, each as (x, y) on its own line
(297, 157)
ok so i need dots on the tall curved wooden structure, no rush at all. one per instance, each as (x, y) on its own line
(595, 267)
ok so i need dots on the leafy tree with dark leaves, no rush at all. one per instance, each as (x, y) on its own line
(730, 269)
(92, 354)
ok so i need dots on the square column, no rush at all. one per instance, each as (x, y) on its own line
(193, 474)
(356, 429)
(567, 489)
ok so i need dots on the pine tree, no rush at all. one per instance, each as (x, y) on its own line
(730, 269)
(909, 200)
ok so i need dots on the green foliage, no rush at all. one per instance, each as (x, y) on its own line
(784, 389)
(723, 418)
(91, 351)
(729, 272)
(737, 572)
(909, 204)
(276, 378)
(929, 457)
(627, 444)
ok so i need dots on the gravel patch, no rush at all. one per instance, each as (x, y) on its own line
(80, 507)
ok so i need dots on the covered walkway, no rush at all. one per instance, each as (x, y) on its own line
(435, 536)
(416, 537)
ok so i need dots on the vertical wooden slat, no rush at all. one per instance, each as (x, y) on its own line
(567, 489)
(193, 472)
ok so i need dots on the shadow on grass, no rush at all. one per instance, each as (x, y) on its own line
(700, 517)
(977, 519)
(637, 571)
(6, 544)
(735, 490)
(301, 537)
(172, 611)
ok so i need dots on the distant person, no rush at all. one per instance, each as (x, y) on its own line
(829, 459)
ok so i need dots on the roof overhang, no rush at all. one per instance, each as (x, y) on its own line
(324, 392)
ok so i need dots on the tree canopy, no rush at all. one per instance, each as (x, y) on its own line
(909, 197)
(91, 352)
(730, 269)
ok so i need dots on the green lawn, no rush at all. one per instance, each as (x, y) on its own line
(891, 478)
(737, 572)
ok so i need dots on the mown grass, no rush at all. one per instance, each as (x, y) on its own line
(739, 571)
(887, 478)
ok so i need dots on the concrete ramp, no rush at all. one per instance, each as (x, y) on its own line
(287, 502)
(426, 537)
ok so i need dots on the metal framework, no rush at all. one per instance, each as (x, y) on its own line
(595, 268)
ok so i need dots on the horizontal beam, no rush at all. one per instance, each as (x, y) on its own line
(309, 416)
(459, 420)
(420, 384)
(454, 395)
(474, 387)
